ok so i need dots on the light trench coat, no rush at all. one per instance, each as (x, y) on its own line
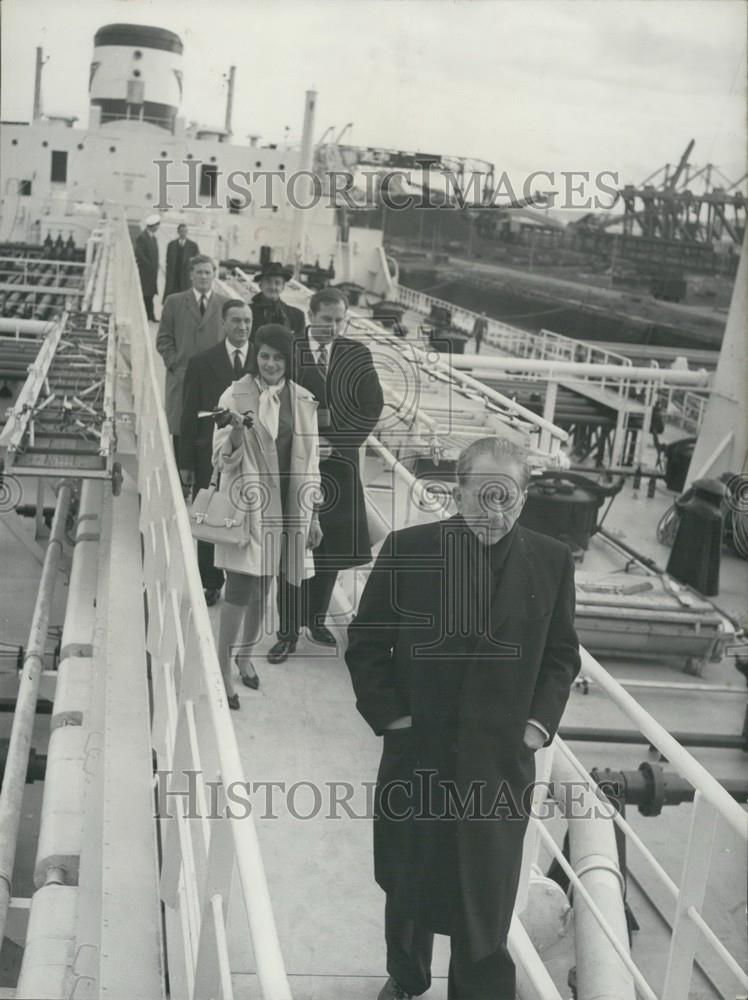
(250, 475)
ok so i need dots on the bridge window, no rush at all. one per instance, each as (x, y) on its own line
(24, 187)
(59, 173)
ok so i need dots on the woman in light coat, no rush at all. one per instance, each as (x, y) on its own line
(271, 472)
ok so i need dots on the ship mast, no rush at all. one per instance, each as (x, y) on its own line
(230, 101)
(37, 112)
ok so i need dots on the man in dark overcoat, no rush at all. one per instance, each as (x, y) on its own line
(179, 253)
(208, 374)
(341, 375)
(269, 307)
(190, 323)
(462, 656)
(146, 257)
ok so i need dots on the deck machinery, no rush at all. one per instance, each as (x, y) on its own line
(62, 421)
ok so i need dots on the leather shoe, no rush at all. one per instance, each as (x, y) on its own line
(281, 650)
(251, 680)
(233, 700)
(393, 991)
(211, 595)
(323, 635)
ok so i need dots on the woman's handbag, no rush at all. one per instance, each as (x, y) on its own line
(215, 518)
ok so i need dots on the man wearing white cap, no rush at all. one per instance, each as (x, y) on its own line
(146, 257)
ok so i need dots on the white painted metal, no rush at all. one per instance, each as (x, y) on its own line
(187, 679)
(694, 881)
(533, 980)
(680, 759)
(728, 402)
(297, 246)
(513, 340)
(569, 369)
(601, 974)
(23, 408)
(16, 765)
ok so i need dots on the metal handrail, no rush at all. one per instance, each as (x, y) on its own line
(187, 679)
(656, 869)
(525, 343)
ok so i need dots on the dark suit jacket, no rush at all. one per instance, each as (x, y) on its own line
(414, 629)
(350, 400)
(208, 375)
(177, 265)
(264, 311)
(146, 257)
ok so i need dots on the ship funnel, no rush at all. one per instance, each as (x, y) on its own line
(136, 75)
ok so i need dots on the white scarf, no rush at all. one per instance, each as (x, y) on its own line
(269, 414)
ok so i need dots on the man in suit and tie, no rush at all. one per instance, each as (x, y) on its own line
(269, 307)
(339, 372)
(462, 655)
(146, 257)
(179, 253)
(190, 323)
(208, 375)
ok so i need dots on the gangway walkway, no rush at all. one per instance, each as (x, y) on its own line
(281, 901)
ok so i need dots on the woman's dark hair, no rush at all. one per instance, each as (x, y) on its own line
(280, 339)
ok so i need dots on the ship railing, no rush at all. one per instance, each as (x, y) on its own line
(35, 270)
(209, 851)
(558, 768)
(403, 365)
(544, 346)
(686, 409)
(713, 811)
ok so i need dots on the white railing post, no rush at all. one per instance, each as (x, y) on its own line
(693, 883)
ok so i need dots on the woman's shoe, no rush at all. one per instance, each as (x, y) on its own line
(233, 700)
(250, 680)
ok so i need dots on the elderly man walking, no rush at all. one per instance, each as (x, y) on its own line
(462, 656)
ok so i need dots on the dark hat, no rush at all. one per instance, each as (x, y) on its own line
(274, 270)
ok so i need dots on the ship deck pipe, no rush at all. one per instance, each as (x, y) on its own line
(37, 326)
(14, 779)
(601, 973)
(566, 369)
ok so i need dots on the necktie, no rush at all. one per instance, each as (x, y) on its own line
(238, 367)
(269, 409)
(322, 361)
(202, 305)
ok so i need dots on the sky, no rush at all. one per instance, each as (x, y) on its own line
(558, 85)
